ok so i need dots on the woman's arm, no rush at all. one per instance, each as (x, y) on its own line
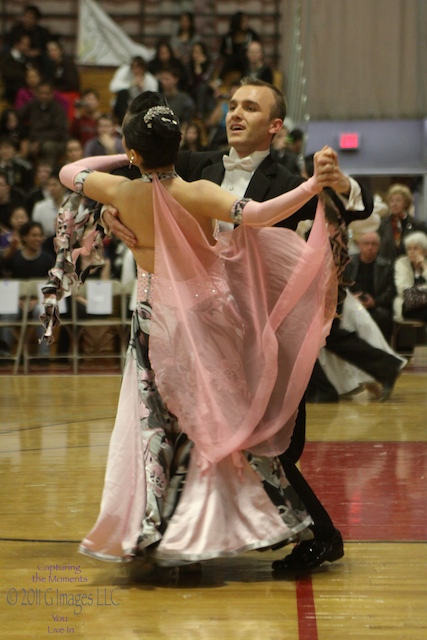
(91, 177)
(214, 202)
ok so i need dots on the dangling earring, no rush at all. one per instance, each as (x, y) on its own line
(131, 159)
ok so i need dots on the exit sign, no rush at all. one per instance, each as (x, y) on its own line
(349, 141)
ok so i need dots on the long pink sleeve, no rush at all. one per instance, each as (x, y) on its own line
(268, 213)
(93, 163)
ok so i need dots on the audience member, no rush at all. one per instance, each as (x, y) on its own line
(46, 122)
(14, 65)
(256, 66)
(181, 103)
(200, 71)
(46, 211)
(296, 139)
(234, 44)
(10, 197)
(216, 121)
(192, 137)
(11, 127)
(18, 170)
(398, 223)
(84, 125)
(164, 58)
(10, 241)
(28, 262)
(128, 82)
(107, 140)
(38, 36)
(28, 93)
(62, 71)
(371, 280)
(186, 36)
(411, 279)
(43, 171)
(73, 151)
(282, 154)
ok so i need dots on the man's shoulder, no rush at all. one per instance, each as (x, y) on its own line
(190, 164)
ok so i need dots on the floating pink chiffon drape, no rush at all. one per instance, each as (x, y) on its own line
(237, 328)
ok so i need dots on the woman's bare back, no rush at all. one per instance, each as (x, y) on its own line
(137, 213)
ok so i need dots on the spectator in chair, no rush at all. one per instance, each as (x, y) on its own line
(410, 272)
(372, 282)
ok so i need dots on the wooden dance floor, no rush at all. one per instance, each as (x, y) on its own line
(366, 460)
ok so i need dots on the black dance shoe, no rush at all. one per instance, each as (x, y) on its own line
(309, 554)
(388, 385)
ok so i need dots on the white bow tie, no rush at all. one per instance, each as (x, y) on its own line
(239, 163)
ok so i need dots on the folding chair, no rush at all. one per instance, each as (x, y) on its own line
(14, 304)
(97, 305)
(414, 326)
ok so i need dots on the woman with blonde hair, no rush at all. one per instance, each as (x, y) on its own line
(400, 221)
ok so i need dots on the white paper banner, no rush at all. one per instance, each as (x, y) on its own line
(99, 295)
(9, 296)
(101, 42)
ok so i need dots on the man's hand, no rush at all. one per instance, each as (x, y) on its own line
(329, 172)
(111, 218)
(365, 299)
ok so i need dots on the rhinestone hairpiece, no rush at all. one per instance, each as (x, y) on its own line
(157, 111)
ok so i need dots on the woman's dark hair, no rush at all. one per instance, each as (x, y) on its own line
(163, 42)
(192, 28)
(157, 138)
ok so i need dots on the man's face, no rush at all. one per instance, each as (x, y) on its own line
(7, 151)
(168, 82)
(43, 173)
(369, 246)
(29, 20)
(18, 217)
(105, 127)
(34, 239)
(91, 102)
(254, 52)
(54, 188)
(45, 94)
(74, 151)
(249, 123)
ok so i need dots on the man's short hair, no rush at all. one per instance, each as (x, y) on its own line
(280, 108)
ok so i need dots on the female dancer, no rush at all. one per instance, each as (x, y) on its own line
(234, 322)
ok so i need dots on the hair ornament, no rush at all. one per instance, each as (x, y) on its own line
(158, 111)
